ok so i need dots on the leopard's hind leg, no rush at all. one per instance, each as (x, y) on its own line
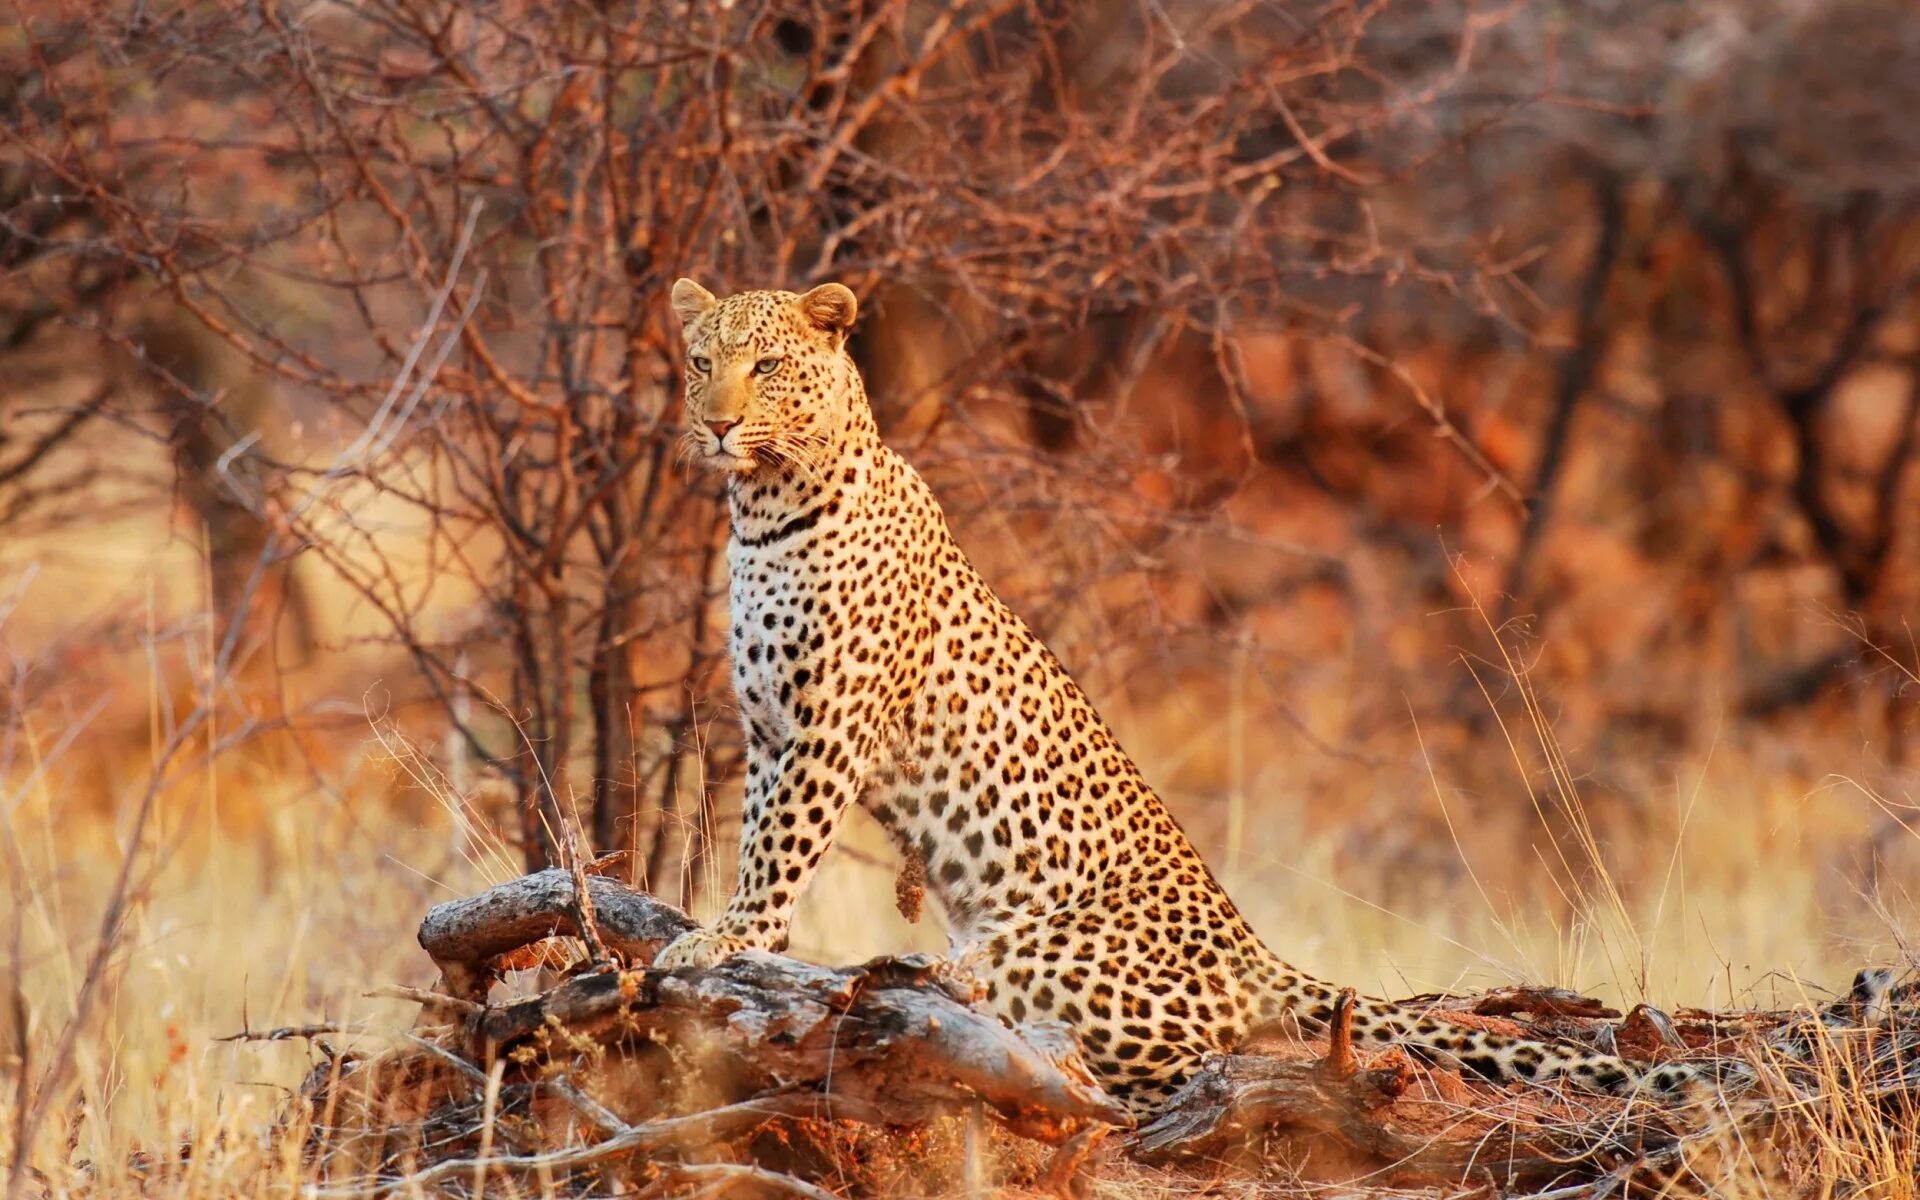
(1145, 1000)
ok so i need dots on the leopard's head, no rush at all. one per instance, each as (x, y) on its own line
(769, 381)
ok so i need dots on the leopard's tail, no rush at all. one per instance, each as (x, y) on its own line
(1283, 996)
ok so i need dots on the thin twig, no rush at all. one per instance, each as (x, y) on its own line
(287, 1033)
(652, 1137)
(1340, 1062)
(428, 999)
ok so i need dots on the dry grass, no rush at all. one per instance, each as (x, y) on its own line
(295, 923)
(285, 886)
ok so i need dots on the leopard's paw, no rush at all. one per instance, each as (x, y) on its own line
(699, 948)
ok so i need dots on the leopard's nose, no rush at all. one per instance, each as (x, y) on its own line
(720, 427)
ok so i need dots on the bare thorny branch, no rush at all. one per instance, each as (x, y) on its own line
(473, 169)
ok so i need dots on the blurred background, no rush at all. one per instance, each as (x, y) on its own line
(1468, 450)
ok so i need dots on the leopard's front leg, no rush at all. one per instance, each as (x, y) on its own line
(793, 807)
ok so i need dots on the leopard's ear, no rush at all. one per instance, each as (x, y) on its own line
(831, 306)
(689, 301)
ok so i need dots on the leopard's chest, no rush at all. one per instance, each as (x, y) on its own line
(781, 635)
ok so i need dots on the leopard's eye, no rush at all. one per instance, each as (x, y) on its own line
(766, 366)
(702, 365)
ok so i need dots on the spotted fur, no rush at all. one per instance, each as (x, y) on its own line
(873, 665)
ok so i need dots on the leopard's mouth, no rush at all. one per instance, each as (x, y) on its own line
(726, 460)
(714, 455)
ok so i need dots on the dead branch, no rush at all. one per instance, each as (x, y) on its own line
(880, 1038)
(290, 1032)
(1373, 1121)
(466, 937)
(1340, 1063)
(891, 1036)
(1517, 999)
(655, 1137)
(1237, 1095)
(431, 1001)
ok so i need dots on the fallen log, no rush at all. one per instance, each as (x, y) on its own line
(1380, 1124)
(879, 1038)
(893, 1035)
(622, 1077)
(1376, 1120)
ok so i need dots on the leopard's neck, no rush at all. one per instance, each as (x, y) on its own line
(773, 504)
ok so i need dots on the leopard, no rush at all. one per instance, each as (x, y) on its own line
(874, 666)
